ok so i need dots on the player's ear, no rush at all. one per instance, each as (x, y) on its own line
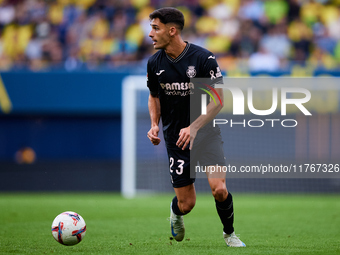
(172, 30)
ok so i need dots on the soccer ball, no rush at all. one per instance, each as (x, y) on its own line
(68, 228)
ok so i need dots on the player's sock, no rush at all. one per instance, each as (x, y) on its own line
(175, 207)
(225, 210)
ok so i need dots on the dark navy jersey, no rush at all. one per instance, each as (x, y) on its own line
(170, 80)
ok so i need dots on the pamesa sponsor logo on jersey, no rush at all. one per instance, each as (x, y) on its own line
(177, 88)
(180, 88)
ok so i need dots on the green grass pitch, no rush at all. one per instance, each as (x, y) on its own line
(268, 224)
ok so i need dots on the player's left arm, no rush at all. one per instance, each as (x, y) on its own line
(188, 134)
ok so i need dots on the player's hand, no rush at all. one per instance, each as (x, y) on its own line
(153, 135)
(184, 138)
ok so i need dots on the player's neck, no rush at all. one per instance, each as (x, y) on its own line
(176, 48)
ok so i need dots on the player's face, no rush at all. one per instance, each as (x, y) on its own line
(159, 34)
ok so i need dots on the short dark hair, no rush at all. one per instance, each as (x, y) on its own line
(169, 15)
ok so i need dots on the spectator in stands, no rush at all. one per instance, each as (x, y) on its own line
(276, 41)
(7, 13)
(263, 61)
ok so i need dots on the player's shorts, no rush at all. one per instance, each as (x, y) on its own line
(209, 151)
(179, 167)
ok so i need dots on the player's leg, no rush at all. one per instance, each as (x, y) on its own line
(223, 202)
(185, 199)
(225, 209)
(212, 154)
(181, 205)
(183, 185)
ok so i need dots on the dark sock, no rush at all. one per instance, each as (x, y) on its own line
(175, 208)
(226, 212)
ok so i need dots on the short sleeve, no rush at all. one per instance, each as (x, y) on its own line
(212, 71)
(152, 81)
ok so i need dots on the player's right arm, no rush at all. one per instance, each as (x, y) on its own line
(153, 104)
(155, 115)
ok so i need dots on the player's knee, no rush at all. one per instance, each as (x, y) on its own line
(187, 206)
(220, 193)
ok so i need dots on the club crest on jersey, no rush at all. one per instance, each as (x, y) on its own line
(191, 72)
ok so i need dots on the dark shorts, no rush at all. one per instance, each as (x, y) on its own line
(209, 151)
(179, 167)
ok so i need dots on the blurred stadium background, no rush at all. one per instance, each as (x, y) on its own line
(62, 66)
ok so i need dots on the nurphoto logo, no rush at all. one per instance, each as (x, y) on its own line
(281, 97)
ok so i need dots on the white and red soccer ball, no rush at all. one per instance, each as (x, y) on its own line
(68, 228)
